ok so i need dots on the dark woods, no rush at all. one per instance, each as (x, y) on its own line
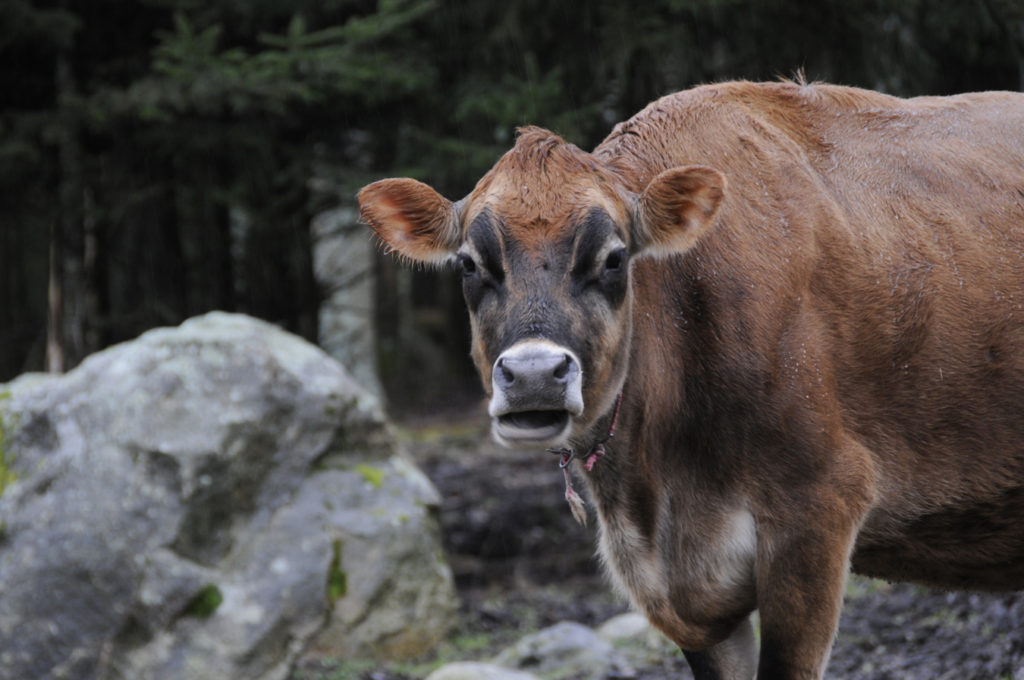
(163, 158)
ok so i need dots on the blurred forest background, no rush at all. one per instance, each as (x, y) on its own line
(163, 158)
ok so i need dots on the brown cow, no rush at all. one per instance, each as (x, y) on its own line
(811, 301)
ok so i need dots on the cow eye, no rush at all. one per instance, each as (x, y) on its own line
(615, 260)
(467, 264)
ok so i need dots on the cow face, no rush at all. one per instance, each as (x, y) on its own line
(545, 244)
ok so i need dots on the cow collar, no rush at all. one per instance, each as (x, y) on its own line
(567, 455)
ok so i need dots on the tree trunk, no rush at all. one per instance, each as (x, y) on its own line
(73, 299)
(54, 335)
(343, 264)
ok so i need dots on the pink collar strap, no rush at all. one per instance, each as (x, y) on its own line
(575, 502)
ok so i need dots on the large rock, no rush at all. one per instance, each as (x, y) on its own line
(209, 502)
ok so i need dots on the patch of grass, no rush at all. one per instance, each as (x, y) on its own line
(337, 579)
(205, 602)
(7, 424)
(469, 646)
(373, 475)
(862, 586)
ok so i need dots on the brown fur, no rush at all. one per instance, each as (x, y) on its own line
(540, 183)
(830, 371)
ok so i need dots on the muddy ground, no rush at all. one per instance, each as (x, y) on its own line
(522, 563)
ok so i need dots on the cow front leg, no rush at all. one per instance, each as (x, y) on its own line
(800, 592)
(734, 658)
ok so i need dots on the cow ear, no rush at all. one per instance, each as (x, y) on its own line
(676, 209)
(411, 219)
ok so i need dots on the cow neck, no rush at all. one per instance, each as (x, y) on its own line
(566, 456)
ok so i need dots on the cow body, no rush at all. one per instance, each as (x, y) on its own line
(811, 300)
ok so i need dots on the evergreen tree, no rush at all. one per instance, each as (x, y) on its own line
(166, 156)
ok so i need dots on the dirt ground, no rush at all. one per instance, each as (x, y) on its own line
(521, 563)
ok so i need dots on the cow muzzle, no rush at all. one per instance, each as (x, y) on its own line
(537, 390)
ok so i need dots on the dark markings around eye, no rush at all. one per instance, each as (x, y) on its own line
(593, 234)
(484, 239)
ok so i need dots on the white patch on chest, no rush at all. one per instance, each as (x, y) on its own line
(736, 551)
(716, 568)
(630, 562)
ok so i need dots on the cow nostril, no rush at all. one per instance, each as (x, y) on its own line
(562, 369)
(508, 375)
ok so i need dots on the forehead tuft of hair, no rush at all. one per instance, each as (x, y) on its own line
(537, 148)
(542, 180)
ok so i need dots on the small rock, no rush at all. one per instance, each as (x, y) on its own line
(631, 629)
(637, 640)
(466, 670)
(628, 626)
(566, 650)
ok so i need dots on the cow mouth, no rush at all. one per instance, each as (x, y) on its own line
(531, 426)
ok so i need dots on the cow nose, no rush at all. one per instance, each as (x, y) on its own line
(536, 375)
(537, 389)
(538, 371)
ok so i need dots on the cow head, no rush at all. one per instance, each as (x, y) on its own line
(545, 244)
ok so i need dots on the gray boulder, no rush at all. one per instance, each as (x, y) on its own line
(209, 501)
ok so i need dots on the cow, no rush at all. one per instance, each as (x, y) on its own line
(799, 309)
